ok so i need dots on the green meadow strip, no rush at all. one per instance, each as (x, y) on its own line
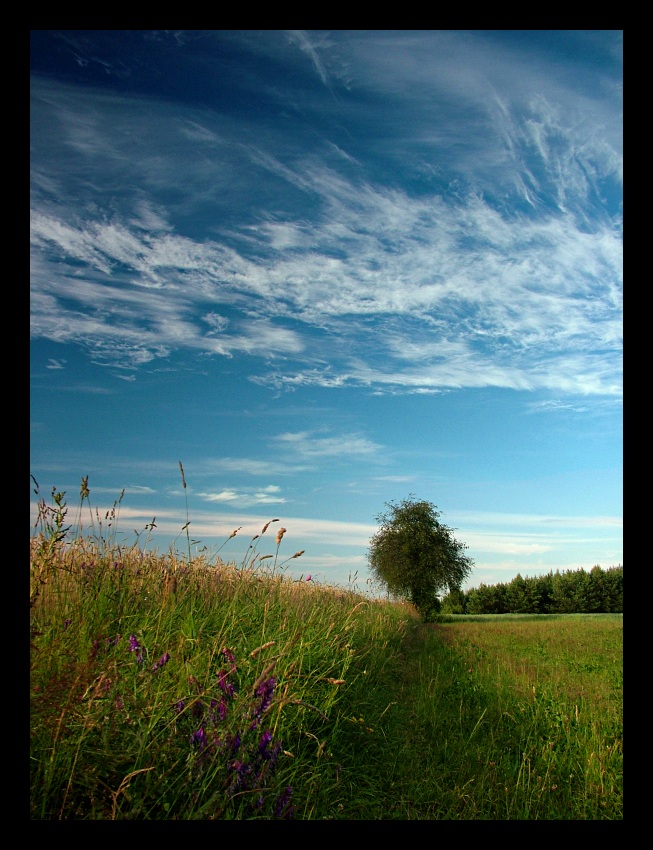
(169, 687)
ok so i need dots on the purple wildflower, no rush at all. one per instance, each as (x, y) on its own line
(266, 691)
(179, 706)
(282, 802)
(224, 685)
(213, 716)
(266, 738)
(241, 775)
(66, 623)
(235, 743)
(134, 646)
(199, 737)
(161, 662)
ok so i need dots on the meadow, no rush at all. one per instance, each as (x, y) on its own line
(179, 687)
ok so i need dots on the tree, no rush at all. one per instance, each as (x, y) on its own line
(454, 602)
(416, 556)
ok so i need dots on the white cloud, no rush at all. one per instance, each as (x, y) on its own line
(244, 498)
(309, 45)
(307, 445)
(461, 287)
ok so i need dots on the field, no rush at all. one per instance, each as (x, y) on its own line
(171, 687)
(218, 697)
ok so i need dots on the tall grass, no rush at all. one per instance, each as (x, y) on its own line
(179, 688)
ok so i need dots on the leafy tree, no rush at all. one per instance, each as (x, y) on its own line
(454, 602)
(416, 556)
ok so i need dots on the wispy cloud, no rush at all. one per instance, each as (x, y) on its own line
(483, 281)
(253, 466)
(307, 445)
(308, 47)
(245, 498)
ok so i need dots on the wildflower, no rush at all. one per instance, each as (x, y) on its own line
(66, 623)
(258, 805)
(266, 739)
(179, 706)
(199, 737)
(242, 771)
(282, 802)
(309, 577)
(224, 685)
(134, 646)
(231, 658)
(161, 662)
(266, 691)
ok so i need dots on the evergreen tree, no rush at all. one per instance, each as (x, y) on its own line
(455, 602)
(564, 592)
(613, 588)
(545, 593)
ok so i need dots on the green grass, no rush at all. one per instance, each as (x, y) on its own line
(179, 687)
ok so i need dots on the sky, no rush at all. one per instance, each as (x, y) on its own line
(328, 271)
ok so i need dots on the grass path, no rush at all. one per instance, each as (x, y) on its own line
(459, 742)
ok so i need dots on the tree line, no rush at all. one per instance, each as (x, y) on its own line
(416, 557)
(598, 591)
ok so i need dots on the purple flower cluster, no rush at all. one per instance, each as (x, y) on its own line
(134, 646)
(281, 808)
(100, 642)
(248, 775)
(249, 759)
(161, 662)
(265, 691)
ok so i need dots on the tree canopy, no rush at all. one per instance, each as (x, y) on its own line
(415, 555)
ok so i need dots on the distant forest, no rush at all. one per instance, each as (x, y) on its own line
(598, 591)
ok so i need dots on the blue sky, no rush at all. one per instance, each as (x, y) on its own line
(326, 271)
